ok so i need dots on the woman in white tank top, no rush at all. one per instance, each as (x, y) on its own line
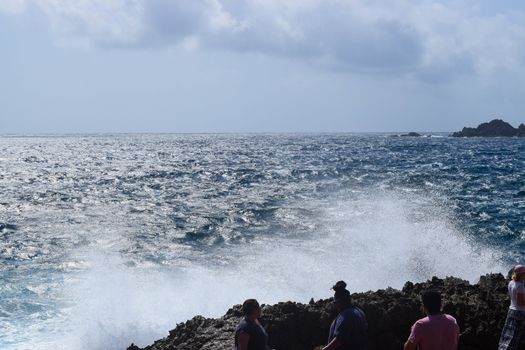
(513, 333)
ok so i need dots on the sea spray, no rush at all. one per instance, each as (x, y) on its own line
(372, 240)
(116, 239)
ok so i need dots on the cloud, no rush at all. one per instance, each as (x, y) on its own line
(12, 6)
(94, 22)
(429, 40)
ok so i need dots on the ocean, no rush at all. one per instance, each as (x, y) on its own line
(111, 239)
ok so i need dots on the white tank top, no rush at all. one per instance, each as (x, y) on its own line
(515, 288)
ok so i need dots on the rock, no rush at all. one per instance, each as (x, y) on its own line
(494, 128)
(521, 130)
(6, 226)
(480, 310)
(412, 134)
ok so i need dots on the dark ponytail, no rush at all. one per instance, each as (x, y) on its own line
(341, 293)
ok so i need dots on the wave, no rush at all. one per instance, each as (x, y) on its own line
(372, 240)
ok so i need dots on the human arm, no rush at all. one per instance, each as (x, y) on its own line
(520, 299)
(338, 333)
(410, 346)
(334, 344)
(242, 340)
(414, 337)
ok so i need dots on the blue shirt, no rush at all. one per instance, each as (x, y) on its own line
(350, 327)
(258, 336)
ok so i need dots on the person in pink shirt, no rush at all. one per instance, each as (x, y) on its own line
(437, 331)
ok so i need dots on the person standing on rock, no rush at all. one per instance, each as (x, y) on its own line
(250, 335)
(513, 333)
(348, 331)
(436, 331)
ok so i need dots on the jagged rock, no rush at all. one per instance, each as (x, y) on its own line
(480, 310)
(494, 128)
(521, 130)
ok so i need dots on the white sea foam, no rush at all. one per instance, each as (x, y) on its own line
(372, 241)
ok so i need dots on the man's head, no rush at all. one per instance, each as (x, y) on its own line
(431, 301)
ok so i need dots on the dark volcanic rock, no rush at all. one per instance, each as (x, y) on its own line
(6, 226)
(412, 134)
(480, 310)
(494, 128)
(521, 130)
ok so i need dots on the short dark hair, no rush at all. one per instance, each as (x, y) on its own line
(431, 299)
(249, 306)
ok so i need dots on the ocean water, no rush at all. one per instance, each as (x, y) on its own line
(111, 239)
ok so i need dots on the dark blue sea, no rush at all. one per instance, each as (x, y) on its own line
(111, 239)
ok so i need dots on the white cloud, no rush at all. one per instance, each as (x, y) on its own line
(13, 6)
(102, 22)
(427, 39)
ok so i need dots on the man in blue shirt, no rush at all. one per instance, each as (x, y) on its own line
(348, 331)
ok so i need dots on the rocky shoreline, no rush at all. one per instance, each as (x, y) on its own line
(480, 310)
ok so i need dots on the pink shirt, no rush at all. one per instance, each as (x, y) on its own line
(435, 332)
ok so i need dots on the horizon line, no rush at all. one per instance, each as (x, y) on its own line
(91, 133)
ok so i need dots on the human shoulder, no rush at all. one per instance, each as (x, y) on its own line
(515, 284)
(422, 321)
(452, 323)
(418, 330)
(420, 325)
(451, 318)
(351, 312)
(244, 326)
(516, 287)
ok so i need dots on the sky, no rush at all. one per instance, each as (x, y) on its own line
(190, 66)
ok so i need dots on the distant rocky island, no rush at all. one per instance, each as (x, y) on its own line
(412, 134)
(480, 310)
(494, 128)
